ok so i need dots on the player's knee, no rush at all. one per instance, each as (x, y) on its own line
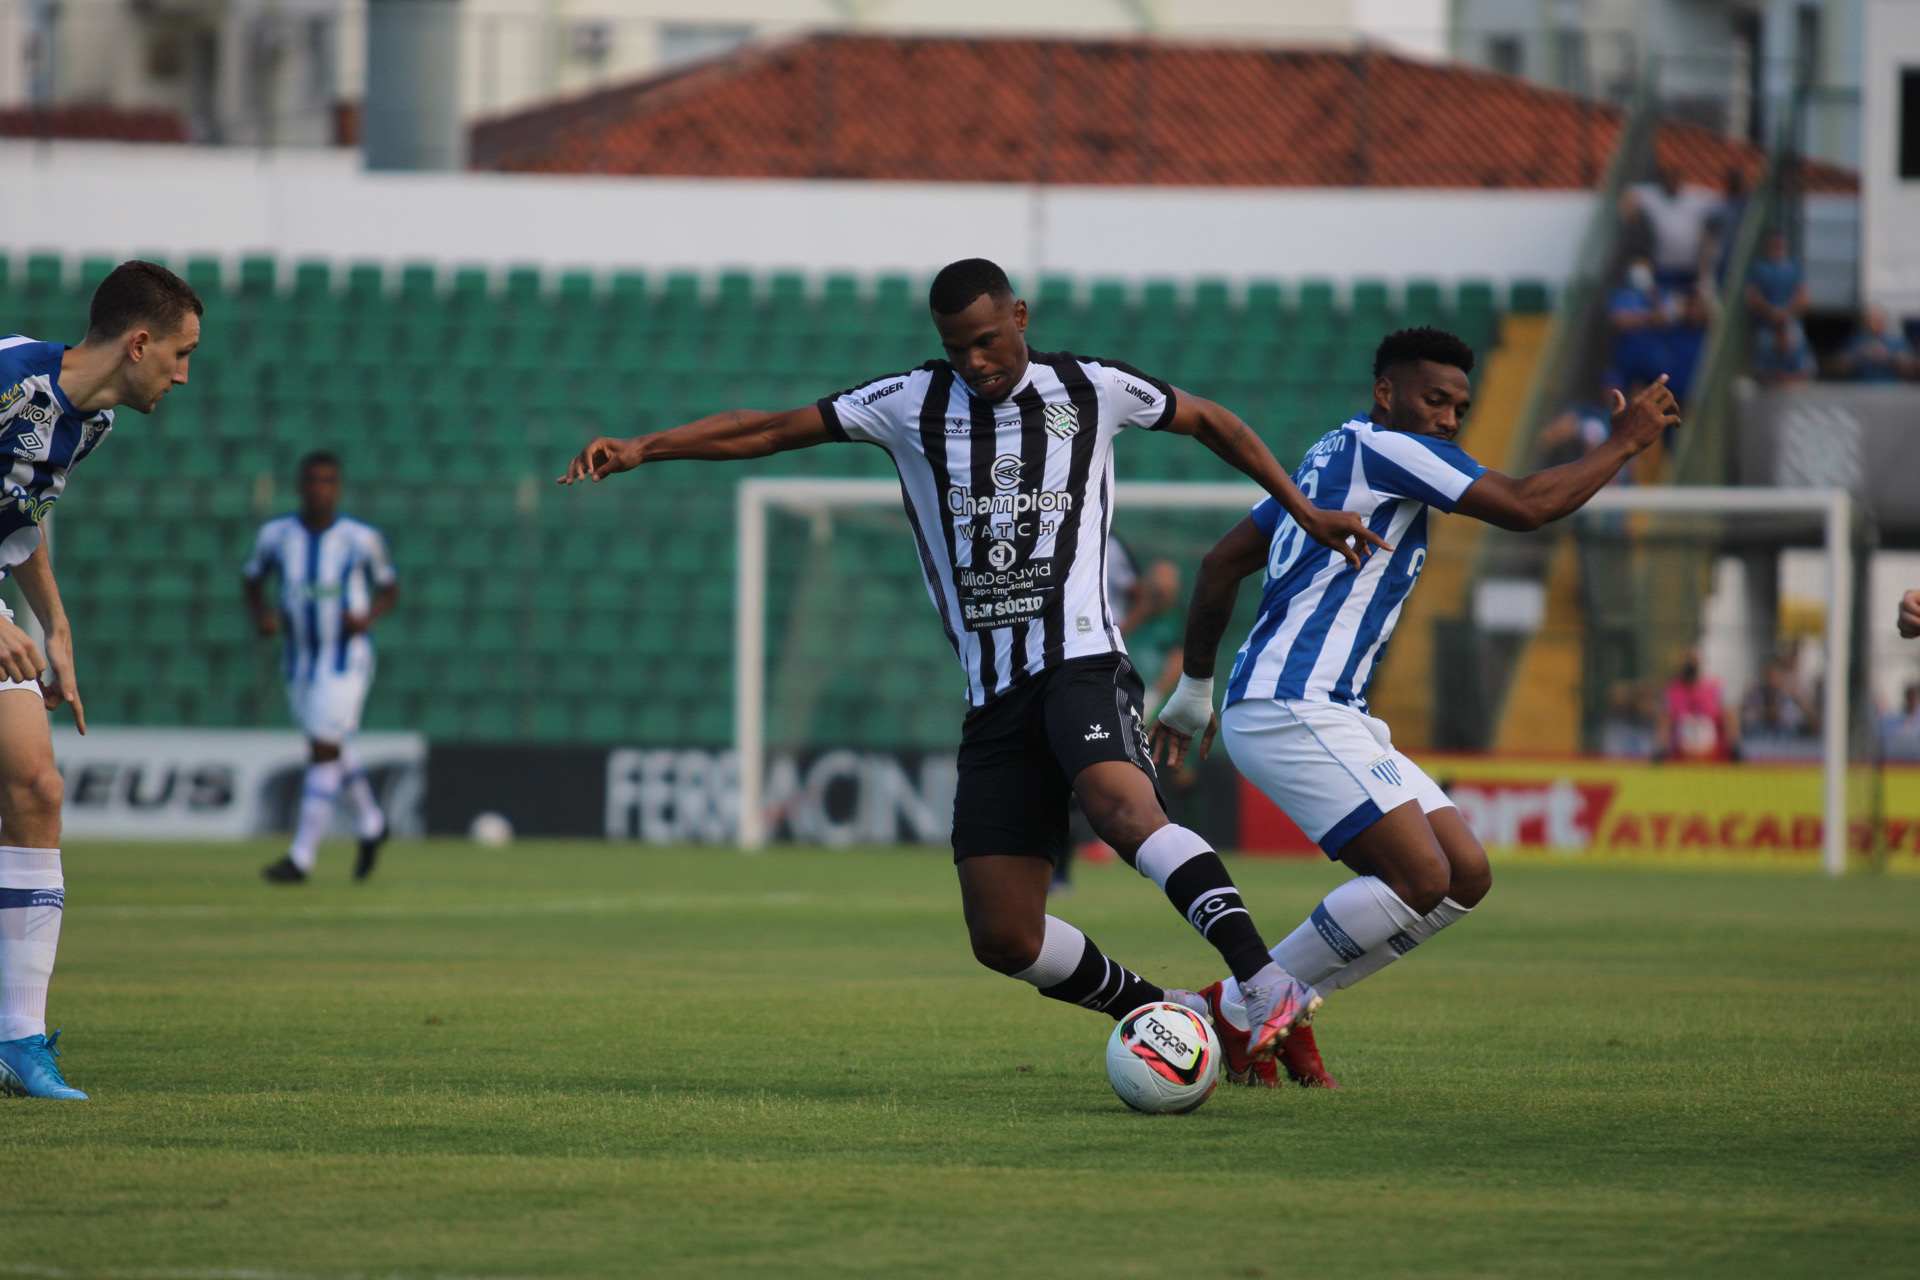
(1469, 884)
(1006, 951)
(36, 796)
(1124, 821)
(1424, 885)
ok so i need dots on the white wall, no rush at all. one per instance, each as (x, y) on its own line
(1889, 207)
(80, 198)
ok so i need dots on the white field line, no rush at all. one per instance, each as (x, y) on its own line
(632, 903)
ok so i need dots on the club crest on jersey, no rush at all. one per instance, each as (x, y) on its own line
(1062, 420)
(1387, 771)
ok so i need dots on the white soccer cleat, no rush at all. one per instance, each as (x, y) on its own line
(1275, 1000)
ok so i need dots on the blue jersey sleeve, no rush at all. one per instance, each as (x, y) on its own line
(1427, 469)
(1266, 515)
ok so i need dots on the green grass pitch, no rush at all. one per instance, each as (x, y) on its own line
(579, 1059)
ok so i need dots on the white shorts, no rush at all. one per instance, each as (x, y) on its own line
(1333, 769)
(327, 707)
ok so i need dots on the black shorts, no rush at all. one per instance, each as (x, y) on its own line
(1020, 753)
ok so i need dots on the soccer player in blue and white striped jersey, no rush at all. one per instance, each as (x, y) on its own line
(56, 407)
(1295, 717)
(336, 580)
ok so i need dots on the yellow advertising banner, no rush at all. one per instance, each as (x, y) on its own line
(1723, 814)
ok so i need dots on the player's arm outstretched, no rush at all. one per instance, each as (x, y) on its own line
(725, 437)
(1545, 496)
(35, 575)
(1241, 553)
(1222, 431)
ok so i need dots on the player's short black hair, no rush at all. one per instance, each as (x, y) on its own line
(1408, 346)
(319, 458)
(959, 283)
(138, 295)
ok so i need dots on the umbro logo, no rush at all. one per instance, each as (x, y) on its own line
(1062, 420)
(1096, 733)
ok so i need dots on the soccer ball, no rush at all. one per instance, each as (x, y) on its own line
(1163, 1059)
(490, 830)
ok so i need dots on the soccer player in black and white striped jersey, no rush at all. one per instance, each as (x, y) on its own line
(1006, 468)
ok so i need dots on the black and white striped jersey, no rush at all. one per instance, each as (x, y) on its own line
(1009, 502)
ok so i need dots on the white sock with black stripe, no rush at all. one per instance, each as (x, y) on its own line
(1070, 968)
(1194, 879)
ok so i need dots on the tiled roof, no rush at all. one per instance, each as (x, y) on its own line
(103, 123)
(1060, 111)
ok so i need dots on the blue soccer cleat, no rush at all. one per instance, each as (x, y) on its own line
(27, 1070)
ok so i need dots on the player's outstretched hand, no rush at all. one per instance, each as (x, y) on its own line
(1910, 614)
(20, 657)
(1651, 413)
(602, 458)
(1168, 746)
(354, 624)
(1345, 532)
(60, 686)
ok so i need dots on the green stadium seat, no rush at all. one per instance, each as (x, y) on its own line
(1529, 297)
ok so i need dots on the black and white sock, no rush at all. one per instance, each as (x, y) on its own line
(1194, 879)
(1072, 969)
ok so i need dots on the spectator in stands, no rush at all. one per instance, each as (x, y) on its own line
(1910, 614)
(1695, 723)
(1631, 720)
(1656, 330)
(1642, 314)
(1879, 352)
(1778, 709)
(1777, 296)
(1679, 218)
(1900, 730)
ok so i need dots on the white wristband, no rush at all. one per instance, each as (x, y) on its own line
(1189, 707)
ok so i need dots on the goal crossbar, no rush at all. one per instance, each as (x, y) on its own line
(755, 497)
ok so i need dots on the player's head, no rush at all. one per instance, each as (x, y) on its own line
(982, 325)
(319, 484)
(151, 318)
(1420, 382)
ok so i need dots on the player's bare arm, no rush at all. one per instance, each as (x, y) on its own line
(1545, 496)
(377, 608)
(1222, 431)
(1239, 554)
(266, 619)
(35, 575)
(20, 657)
(732, 436)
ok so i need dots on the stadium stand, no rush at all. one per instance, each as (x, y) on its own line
(533, 613)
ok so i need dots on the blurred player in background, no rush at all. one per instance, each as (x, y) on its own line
(1296, 719)
(56, 405)
(1005, 458)
(336, 581)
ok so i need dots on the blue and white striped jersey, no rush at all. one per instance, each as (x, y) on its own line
(322, 576)
(42, 437)
(1322, 622)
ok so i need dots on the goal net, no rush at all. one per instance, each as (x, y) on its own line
(1569, 643)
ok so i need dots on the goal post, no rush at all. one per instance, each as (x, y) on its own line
(817, 498)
